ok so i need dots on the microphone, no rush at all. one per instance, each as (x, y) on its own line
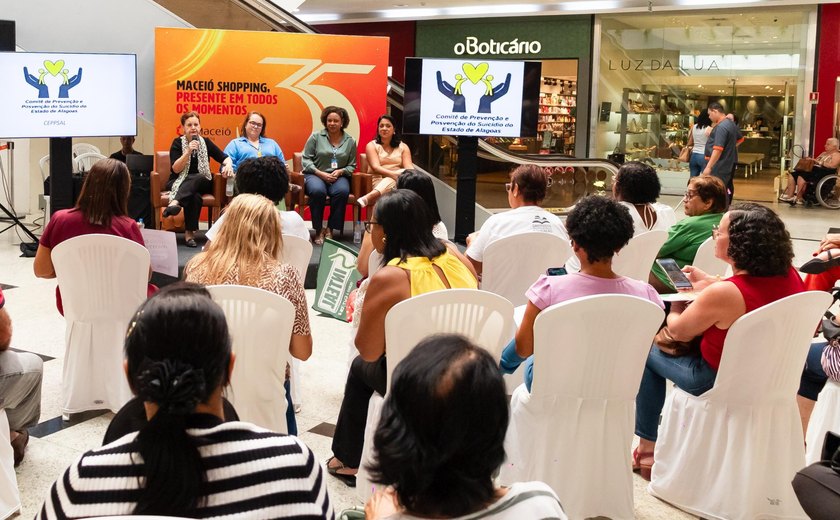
(194, 138)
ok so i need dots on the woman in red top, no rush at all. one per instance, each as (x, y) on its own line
(753, 240)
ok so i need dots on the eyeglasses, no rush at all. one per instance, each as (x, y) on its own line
(508, 186)
(688, 194)
(369, 225)
(255, 124)
(716, 233)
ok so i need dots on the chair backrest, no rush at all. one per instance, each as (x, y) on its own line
(260, 324)
(80, 148)
(44, 164)
(509, 273)
(297, 252)
(483, 317)
(364, 166)
(85, 161)
(594, 347)
(101, 277)
(706, 261)
(765, 350)
(163, 164)
(636, 258)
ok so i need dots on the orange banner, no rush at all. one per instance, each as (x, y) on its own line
(287, 77)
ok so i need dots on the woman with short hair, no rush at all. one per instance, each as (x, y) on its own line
(414, 262)
(753, 240)
(186, 461)
(252, 142)
(441, 438)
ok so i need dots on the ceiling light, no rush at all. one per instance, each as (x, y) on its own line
(592, 5)
(315, 18)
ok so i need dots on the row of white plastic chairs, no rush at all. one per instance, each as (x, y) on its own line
(84, 156)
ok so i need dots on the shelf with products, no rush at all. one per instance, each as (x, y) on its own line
(557, 115)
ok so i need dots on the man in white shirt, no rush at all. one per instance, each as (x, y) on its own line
(526, 189)
(266, 176)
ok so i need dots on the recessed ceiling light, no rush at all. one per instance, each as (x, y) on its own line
(400, 5)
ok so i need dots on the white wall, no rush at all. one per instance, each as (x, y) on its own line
(123, 26)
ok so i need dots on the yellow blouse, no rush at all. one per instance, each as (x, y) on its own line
(425, 279)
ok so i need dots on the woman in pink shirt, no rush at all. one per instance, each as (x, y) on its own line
(598, 228)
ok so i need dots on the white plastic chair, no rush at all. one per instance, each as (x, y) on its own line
(574, 430)
(297, 252)
(732, 452)
(85, 161)
(483, 317)
(635, 260)
(706, 261)
(260, 324)
(508, 272)
(80, 148)
(825, 418)
(44, 165)
(9, 494)
(103, 279)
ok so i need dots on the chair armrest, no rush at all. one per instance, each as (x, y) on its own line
(296, 201)
(155, 189)
(219, 188)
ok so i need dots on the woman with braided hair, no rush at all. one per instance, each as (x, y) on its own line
(186, 461)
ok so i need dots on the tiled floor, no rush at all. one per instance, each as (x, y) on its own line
(39, 328)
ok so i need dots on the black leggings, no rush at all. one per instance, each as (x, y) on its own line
(189, 196)
(364, 378)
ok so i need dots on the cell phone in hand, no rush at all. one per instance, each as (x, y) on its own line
(556, 271)
(675, 274)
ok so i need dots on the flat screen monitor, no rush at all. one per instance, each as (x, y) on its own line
(474, 97)
(55, 94)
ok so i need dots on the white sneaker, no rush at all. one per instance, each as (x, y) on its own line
(786, 198)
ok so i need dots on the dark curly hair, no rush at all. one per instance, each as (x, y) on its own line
(532, 181)
(600, 226)
(442, 430)
(266, 176)
(342, 113)
(759, 243)
(636, 183)
(395, 139)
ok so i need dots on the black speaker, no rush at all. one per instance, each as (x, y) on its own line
(7, 35)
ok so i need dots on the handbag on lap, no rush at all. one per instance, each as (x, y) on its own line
(668, 345)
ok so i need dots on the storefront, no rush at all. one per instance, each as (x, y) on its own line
(658, 71)
(561, 43)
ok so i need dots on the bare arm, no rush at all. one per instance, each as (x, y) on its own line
(525, 333)
(300, 346)
(389, 286)
(5, 330)
(469, 263)
(375, 166)
(43, 265)
(363, 259)
(719, 304)
(712, 161)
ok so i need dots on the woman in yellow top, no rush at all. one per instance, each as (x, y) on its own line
(387, 158)
(415, 262)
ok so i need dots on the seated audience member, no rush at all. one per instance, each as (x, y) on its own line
(247, 252)
(388, 157)
(826, 163)
(252, 142)
(753, 240)
(704, 203)
(20, 386)
(526, 189)
(186, 461)
(440, 439)
(127, 143)
(414, 262)
(102, 208)
(598, 228)
(266, 176)
(636, 186)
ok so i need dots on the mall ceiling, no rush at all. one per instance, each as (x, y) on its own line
(338, 11)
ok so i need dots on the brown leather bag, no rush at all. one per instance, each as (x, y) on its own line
(173, 223)
(668, 345)
(805, 165)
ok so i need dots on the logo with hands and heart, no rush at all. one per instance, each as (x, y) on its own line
(54, 67)
(474, 73)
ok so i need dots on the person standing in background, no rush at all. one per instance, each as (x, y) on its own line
(127, 143)
(722, 147)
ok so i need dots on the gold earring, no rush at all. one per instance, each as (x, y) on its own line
(384, 239)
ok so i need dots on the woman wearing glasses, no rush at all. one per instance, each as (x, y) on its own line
(704, 203)
(252, 142)
(753, 240)
(525, 191)
(414, 262)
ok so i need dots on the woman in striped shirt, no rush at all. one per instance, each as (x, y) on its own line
(186, 461)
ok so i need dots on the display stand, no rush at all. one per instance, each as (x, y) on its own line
(465, 195)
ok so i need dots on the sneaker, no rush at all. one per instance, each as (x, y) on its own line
(786, 198)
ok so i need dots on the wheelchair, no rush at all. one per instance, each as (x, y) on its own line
(822, 187)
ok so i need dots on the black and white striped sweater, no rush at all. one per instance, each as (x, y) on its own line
(251, 473)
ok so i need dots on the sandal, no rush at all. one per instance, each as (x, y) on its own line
(642, 463)
(191, 243)
(19, 446)
(319, 237)
(818, 265)
(347, 478)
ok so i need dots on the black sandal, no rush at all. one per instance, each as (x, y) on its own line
(350, 480)
(818, 265)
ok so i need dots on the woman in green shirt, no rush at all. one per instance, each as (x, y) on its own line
(329, 159)
(704, 203)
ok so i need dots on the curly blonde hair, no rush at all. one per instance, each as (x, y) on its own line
(250, 239)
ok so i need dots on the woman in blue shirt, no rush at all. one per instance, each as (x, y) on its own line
(252, 142)
(329, 159)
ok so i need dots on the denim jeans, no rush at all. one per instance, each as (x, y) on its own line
(813, 376)
(511, 360)
(291, 421)
(690, 373)
(696, 164)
